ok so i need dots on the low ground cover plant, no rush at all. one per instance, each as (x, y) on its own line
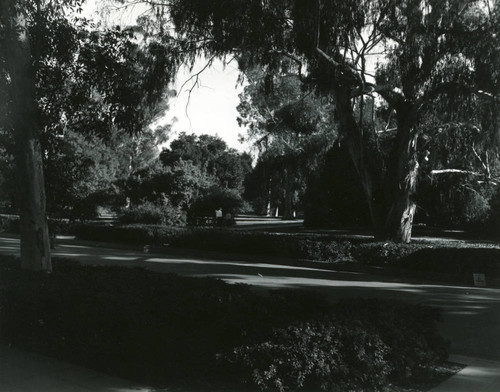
(167, 330)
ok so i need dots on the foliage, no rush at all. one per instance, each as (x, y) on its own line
(312, 248)
(362, 346)
(211, 155)
(180, 183)
(228, 200)
(197, 174)
(384, 253)
(430, 63)
(410, 332)
(444, 261)
(460, 198)
(290, 128)
(330, 354)
(10, 224)
(129, 234)
(154, 214)
(98, 90)
(184, 329)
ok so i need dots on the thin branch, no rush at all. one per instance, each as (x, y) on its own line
(456, 171)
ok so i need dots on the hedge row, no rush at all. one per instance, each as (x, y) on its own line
(420, 258)
(10, 224)
(317, 247)
(174, 331)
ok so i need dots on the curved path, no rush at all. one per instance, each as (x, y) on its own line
(471, 316)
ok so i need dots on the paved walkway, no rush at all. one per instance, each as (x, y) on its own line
(479, 375)
(471, 316)
(21, 371)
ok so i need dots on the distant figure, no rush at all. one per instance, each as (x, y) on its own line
(227, 219)
(52, 239)
(218, 216)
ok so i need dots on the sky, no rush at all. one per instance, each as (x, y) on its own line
(206, 108)
(210, 107)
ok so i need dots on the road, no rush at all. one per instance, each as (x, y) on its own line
(471, 316)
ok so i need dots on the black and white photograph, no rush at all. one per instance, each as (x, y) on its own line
(249, 195)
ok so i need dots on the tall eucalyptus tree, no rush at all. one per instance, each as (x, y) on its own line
(422, 52)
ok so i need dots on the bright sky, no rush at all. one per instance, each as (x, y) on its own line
(208, 107)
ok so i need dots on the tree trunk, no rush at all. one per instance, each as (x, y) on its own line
(390, 200)
(35, 244)
(288, 199)
(403, 171)
(353, 137)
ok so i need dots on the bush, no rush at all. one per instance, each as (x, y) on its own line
(454, 261)
(383, 253)
(361, 346)
(329, 355)
(228, 199)
(280, 245)
(153, 213)
(9, 224)
(410, 331)
(129, 234)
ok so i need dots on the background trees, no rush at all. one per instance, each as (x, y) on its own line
(193, 176)
(290, 127)
(77, 87)
(424, 51)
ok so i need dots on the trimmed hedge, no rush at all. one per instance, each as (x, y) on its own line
(130, 234)
(170, 331)
(11, 224)
(151, 213)
(320, 248)
(421, 259)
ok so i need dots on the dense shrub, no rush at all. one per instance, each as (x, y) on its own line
(329, 355)
(454, 261)
(228, 199)
(360, 346)
(410, 331)
(129, 234)
(163, 213)
(383, 253)
(441, 261)
(9, 224)
(281, 245)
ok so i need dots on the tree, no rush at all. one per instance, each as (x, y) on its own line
(35, 253)
(290, 127)
(211, 154)
(99, 83)
(423, 56)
